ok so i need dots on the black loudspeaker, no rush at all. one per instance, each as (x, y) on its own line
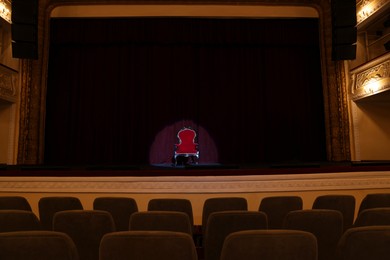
(344, 35)
(24, 29)
(387, 46)
(344, 32)
(25, 50)
(344, 52)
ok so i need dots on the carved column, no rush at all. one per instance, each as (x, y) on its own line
(32, 109)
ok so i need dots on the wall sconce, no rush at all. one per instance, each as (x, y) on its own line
(5, 10)
(373, 86)
(366, 10)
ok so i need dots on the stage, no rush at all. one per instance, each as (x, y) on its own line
(191, 169)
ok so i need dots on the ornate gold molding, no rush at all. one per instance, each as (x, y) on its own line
(371, 79)
(344, 181)
(8, 84)
(367, 8)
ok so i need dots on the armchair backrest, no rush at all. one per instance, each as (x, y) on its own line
(186, 143)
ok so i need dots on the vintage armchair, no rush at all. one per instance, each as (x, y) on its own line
(187, 149)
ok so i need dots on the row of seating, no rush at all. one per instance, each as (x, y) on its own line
(122, 207)
(88, 226)
(275, 207)
(361, 243)
(326, 225)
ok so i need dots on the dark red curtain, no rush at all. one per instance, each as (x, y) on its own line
(120, 89)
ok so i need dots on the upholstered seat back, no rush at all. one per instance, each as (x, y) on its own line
(161, 220)
(147, 245)
(221, 204)
(86, 228)
(325, 224)
(221, 224)
(172, 204)
(18, 220)
(14, 202)
(375, 200)
(343, 203)
(120, 208)
(48, 206)
(277, 207)
(270, 245)
(186, 143)
(373, 217)
(365, 243)
(37, 245)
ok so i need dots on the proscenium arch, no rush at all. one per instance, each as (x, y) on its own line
(175, 10)
(34, 73)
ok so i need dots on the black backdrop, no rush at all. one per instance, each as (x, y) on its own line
(119, 90)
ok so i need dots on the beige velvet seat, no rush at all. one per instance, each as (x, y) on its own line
(120, 208)
(18, 220)
(277, 207)
(14, 202)
(161, 221)
(147, 245)
(365, 243)
(270, 245)
(221, 224)
(325, 224)
(375, 200)
(172, 204)
(48, 206)
(86, 228)
(343, 203)
(221, 204)
(373, 217)
(37, 245)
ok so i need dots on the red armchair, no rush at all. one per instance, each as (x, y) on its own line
(187, 148)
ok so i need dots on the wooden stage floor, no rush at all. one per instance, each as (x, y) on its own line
(191, 170)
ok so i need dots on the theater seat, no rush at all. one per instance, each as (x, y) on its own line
(221, 224)
(120, 208)
(18, 220)
(86, 228)
(37, 245)
(373, 217)
(277, 207)
(14, 202)
(161, 220)
(172, 204)
(365, 243)
(48, 206)
(325, 224)
(375, 200)
(147, 245)
(343, 203)
(270, 245)
(221, 204)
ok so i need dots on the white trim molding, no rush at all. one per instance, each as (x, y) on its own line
(199, 184)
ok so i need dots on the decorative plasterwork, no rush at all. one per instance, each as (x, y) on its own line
(372, 78)
(5, 10)
(367, 8)
(199, 184)
(8, 80)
